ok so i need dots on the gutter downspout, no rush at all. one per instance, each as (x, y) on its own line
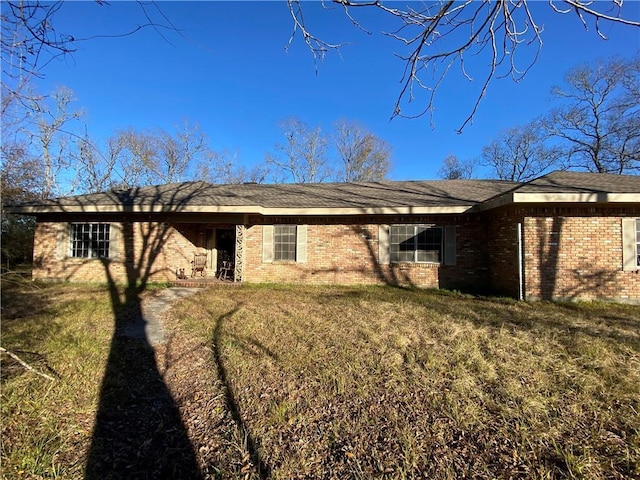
(520, 264)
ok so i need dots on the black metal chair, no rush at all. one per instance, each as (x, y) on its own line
(226, 270)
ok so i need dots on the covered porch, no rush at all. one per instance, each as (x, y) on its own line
(210, 253)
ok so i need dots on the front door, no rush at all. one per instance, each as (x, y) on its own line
(225, 245)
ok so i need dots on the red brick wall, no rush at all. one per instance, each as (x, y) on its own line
(571, 257)
(568, 253)
(342, 253)
(337, 253)
(502, 249)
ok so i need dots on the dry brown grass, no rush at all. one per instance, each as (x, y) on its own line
(338, 382)
(381, 382)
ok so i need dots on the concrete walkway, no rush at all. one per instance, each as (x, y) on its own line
(149, 327)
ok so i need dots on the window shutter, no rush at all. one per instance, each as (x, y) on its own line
(62, 241)
(383, 245)
(301, 243)
(267, 243)
(450, 245)
(115, 240)
(629, 254)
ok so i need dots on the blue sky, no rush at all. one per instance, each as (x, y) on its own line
(231, 73)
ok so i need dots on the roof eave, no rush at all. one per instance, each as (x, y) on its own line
(246, 210)
(578, 197)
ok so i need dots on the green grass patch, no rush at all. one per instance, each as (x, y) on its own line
(63, 331)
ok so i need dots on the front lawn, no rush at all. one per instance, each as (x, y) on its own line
(340, 382)
(382, 382)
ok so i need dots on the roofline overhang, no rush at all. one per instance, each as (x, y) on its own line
(582, 197)
(245, 210)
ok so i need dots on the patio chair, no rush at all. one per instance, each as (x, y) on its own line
(226, 270)
(199, 264)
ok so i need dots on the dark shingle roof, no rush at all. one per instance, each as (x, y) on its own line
(582, 182)
(340, 198)
(386, 194)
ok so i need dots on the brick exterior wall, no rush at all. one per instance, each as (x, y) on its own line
(133, 244)
(502, 248)
(337, 253)
(568, 253)
(347, 253)
(577, 254)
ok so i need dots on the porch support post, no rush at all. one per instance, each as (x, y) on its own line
(239, 267)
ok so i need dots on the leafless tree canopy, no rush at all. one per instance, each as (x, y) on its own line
(134, 157)
(303, 155)
(598, 126)
(363, 156)
(520, 154)
(439, 36)
(453, 168)
(350, 153)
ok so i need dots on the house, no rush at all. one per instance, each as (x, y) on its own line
(565, 235)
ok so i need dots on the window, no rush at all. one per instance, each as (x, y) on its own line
(415, 243)
(284, 242)
(89, 240)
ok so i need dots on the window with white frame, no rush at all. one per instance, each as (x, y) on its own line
(89, 240)
(415, 243)
(284, 243)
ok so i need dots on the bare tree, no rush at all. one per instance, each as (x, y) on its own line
(95, 169)
(364, 156)
(598, 127)
(453, 168)
(136, 153)
(51, 125)
(441, 35)
(30, 40)
(178, 153)
(224, 168)
(519, 154)
(135, 157)
(303, 157)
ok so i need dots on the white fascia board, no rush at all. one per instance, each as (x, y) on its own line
(323, 211)
(255, 210)
(595, 197)
(589, 198)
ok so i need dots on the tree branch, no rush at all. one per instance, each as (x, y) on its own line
(25, 364)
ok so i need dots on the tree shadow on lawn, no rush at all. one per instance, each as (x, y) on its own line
(138, 432)
(249, 346)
